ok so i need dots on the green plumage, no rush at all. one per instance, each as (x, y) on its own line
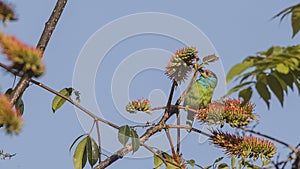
(200, 94)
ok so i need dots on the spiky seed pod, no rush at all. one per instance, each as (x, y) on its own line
(24, 58)
(229, 111)
(246, 147)
(6, 12)
(139, 105)
(181, 63)
(238, 115)
(9, 117)
(188, 55)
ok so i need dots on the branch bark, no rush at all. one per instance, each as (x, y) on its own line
(158, 127)
(42, 44)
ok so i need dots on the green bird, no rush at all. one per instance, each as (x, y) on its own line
(200, 94)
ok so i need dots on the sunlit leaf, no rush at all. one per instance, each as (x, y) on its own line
(281, 68)
(223, 166)
(124, 134)
(238, 69)
(233, 162)
(79, 157)
(191, 163)
(76, 141)
(59, 101)
(157, 162)
(92, 150)
(169, 158)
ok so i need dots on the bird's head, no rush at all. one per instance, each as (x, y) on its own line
(209, 76)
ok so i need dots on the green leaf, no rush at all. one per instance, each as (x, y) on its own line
(281, 68)
(218, 160)
(169, 158)
(238, 87)
(76, 141)
(283, 13)
(233, 162)
(92, 150)
(210, 58)
(208, 167)
(263, 91)
(276, 88)
(124, 134)
(288, 79)
(157, 162)
(238, 69)
(246, 95)
(223, 166)
(282, 82)
(296, 19)
(135, 141)
(191, 163)
(79, 157)
(59, 101)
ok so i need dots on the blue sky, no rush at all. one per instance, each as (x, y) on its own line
(236, 29)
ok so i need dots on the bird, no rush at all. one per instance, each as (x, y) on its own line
(200, 94)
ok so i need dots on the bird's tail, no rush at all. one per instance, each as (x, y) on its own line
(190, 119)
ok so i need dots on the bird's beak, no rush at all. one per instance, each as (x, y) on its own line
(203, 74)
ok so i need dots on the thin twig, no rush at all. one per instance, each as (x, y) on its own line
(174, 106)
(158, 127)
(99, 140)
(170, 141)
(188, 128)
(63, 96)
(92, 127)
(178, 132)
(159, 155)
(179, 100)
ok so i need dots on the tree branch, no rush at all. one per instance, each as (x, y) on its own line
(42, 44)
(158, 127)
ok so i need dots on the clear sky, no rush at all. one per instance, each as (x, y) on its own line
(235, 28)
